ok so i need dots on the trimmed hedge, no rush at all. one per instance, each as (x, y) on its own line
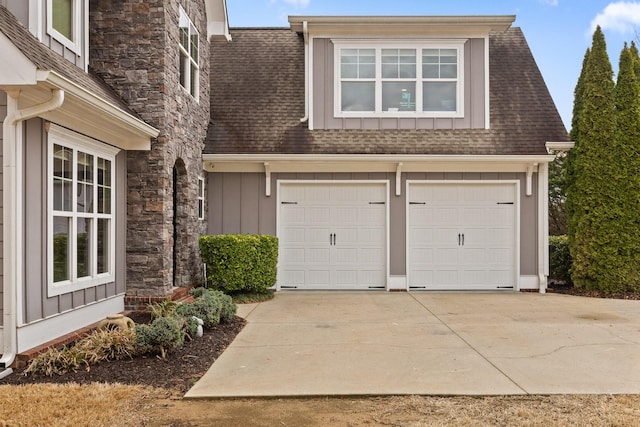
(240, 262)
(559, 259)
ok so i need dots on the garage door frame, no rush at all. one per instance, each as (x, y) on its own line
(301, 182)
(516, 252)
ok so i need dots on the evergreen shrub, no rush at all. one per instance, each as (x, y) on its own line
(240, 262)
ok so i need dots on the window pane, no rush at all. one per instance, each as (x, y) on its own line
(358, 96)
(399, 63)
(84, 201)
(367, 71)
(194, 80)
(398, 96)
(448, 71)
(103, 245)
(184, 69)
(83, 249)
(62, 17)
(194, 46)
(439, 96)
(104, 190)
(60, 249)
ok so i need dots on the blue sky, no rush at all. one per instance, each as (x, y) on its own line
(558, 31)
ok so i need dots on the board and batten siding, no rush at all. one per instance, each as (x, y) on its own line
(37, 304)
(21, 10)
(237, 204)
(3, 115)
(323, 95)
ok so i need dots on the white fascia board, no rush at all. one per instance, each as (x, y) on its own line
(217, 20)
(370, 163)
(326, 26)
(21, 72)
(559, 146)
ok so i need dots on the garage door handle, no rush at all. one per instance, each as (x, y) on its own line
(459, 235)
(462, 239)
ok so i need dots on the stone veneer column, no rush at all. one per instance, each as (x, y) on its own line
(135, 49)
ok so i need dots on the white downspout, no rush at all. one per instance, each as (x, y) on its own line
(12, 215)
(305, 36)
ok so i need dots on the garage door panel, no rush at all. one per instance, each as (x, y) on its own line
(293, 215)
(463, 236)
(344, 243)
(317, 215)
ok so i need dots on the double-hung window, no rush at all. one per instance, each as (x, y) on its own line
(399, 79)
(81, 205)
(63, 22)
(200, 198)
(189, 65)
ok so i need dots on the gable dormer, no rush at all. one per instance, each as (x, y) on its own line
(398, 72)
(61, 25)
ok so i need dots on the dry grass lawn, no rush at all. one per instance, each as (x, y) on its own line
(117, 405)
(74, 405)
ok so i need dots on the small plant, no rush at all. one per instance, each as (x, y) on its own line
(162, 309)
(98, 346)
(56, 362)
(162, 336)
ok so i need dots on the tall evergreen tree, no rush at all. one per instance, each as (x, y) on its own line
(627, 160)
(561, 170)
(592, 188)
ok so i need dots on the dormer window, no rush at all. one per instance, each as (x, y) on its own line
(399, 79)
(189, 45)
(63, 22)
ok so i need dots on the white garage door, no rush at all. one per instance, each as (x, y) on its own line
(462, 236)
(332, 235)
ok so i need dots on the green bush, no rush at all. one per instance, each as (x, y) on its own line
(240, 262)
(559, 259)
(212, 306)
(162, 336)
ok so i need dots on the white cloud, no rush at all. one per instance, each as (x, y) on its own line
(298, 4)
(620, 16)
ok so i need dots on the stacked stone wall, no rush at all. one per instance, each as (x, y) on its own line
(135, 49)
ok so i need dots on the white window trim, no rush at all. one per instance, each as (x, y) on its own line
(201, 193)
(74, 45)
(187, 53)
(378, 45)
(69, 139)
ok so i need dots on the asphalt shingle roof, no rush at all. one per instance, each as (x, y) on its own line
(45, 59)
(257, 100)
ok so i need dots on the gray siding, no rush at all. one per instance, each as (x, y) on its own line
(323, 95)
(237, 204)
(3, 114)
(20, 9)
(37, 305)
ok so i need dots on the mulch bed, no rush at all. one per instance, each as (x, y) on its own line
(179, 371)
(560, 288)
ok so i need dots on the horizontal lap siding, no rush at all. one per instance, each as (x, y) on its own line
(237, 204)
(37, 304)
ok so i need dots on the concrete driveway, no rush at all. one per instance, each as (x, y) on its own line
(378, 343)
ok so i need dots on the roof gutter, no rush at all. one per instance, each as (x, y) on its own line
(12, 215)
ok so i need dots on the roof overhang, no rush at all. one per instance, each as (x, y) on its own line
(371, 163)
(405, 26)
(559, 147)
(82, 110)
(217, 20)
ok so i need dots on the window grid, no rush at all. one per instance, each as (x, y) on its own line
(81, 232)
(189, 55)
(400, 85)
